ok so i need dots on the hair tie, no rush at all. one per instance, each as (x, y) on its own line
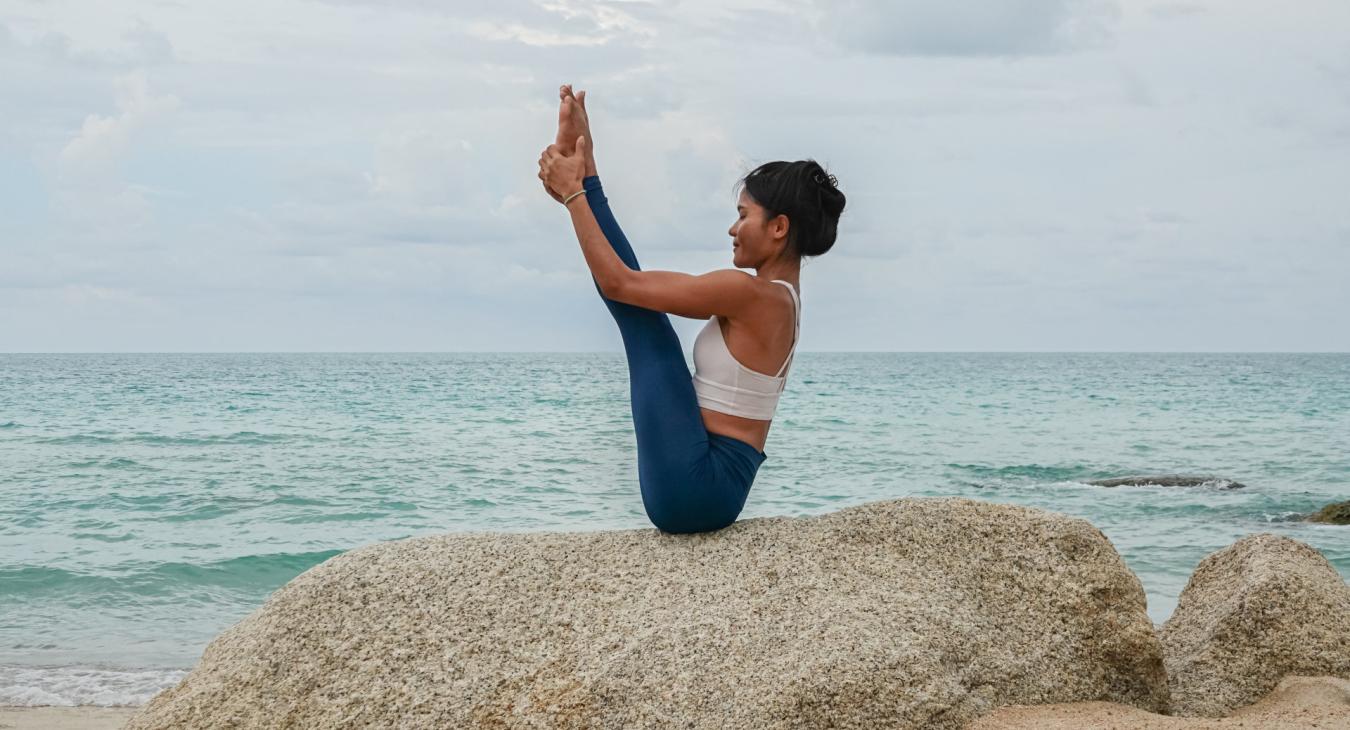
(834, 181)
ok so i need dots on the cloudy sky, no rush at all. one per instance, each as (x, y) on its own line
(361, 174)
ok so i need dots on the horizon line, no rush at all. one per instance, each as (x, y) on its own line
(621, 352)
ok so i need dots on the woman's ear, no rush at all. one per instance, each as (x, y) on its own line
(779, 226)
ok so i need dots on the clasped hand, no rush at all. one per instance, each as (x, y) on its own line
(556, 162)
(562, 173)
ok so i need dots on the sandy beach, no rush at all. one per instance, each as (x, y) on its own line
(1299, 702)
(64, 718)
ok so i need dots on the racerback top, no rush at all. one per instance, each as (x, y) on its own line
(724, 385)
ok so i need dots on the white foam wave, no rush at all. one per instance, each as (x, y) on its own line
(29, 686)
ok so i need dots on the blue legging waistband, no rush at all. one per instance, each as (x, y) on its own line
(691, 480)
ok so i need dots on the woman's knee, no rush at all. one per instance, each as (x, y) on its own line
(690, 528)
(680, 519)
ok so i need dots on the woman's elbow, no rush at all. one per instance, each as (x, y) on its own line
(617, 286)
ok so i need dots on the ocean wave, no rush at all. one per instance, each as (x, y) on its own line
(29, 686)
(1036, 472)
(1286, 517)
(312, 518)
(250, 573)
(153, 439)
(117, 462)
(102, 537)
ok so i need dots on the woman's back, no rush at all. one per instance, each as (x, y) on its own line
(738, 400)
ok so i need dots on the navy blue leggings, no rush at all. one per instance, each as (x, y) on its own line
(692, 480)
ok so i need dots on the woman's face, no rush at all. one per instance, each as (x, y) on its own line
(752, 238)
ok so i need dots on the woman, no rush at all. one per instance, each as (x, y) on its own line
(700, 439)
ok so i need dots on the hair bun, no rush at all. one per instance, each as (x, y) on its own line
(804, 192)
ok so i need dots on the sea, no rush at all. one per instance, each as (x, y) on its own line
(149, 501)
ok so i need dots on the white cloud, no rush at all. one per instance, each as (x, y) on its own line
(530, 36)
(423, 166)
(968, 27)
(91, 195)
(103, 141)
(84, 295)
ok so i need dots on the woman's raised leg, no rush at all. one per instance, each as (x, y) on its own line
(672, 441)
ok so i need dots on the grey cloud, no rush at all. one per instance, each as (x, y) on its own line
(521, 21)
(1169, 10)
(314, 184)
(968, 27)
(645, 91)
(149, 46)
(1136, 90)
(144, 45)
(1338, 73)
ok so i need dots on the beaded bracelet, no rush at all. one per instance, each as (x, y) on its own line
(568, 199)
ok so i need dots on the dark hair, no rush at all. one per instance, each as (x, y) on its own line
(806, 194)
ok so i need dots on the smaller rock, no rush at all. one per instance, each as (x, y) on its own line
(1336, 513)
(1260, 609)
(1167, 480)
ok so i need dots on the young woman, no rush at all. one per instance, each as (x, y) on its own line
(700, 439)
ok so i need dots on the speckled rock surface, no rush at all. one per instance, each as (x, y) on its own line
(1264, 607)
(912, 613)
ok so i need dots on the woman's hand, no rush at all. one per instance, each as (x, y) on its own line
(548, 189)
(562, 174)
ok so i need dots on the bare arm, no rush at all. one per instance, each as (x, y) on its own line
(564, 176)
(726, 292)
(608, 269)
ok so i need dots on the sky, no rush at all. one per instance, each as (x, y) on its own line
(361, 175)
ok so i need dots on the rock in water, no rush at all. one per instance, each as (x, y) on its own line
(1336, 513)
(1167, 480)
(1261, 608)
(911, 613)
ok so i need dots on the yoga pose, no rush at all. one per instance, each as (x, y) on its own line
(700, 438)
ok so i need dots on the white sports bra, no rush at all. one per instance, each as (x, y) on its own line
(724, 385)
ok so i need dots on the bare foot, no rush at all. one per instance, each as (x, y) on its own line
(573, 122)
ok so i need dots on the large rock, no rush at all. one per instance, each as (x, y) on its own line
(1262, 608)
(913, 613)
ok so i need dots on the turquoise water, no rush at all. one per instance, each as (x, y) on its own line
(149, 501)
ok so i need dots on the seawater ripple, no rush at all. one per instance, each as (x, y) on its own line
(147, 502)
